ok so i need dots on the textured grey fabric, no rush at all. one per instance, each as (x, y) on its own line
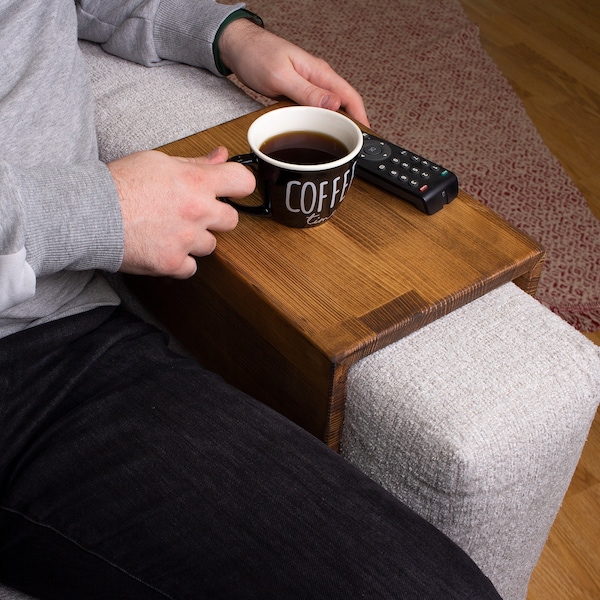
(59, 209)
(140, 108)
(477, 422)
(150, 32)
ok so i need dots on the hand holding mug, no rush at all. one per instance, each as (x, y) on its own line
(170, 209)
(305, 158)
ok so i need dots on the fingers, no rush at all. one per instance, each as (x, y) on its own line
(226, 179)
(170, 209)
(199, 240)
(217, 216)
(205, 212)
(229, 179)
(187, 270)
(217, 156)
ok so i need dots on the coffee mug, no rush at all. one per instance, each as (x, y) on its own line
(304, 159)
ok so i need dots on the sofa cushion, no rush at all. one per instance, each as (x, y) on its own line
(477, 422)
(140, 108)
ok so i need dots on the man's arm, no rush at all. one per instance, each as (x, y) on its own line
(151, 32)
(55, 217)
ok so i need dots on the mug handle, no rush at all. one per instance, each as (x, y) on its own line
(264, 209)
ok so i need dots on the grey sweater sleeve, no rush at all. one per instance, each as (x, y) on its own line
(59, 209)
(150, 32)
(47, 223)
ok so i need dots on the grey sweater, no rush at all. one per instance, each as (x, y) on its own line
(60, 219)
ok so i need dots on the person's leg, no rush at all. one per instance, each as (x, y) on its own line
(130, 472)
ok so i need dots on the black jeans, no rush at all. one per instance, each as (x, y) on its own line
(130, 472)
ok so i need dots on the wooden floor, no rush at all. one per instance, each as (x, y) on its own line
(550, 52)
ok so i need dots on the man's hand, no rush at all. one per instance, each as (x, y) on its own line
(274, 67)
(170, 207)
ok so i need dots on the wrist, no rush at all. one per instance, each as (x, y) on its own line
(220, 44)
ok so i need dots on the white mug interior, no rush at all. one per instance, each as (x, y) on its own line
(305, 118)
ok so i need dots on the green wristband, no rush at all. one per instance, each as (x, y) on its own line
(241, 13)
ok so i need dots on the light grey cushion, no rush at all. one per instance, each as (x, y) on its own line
(140, 108)
(477, 422)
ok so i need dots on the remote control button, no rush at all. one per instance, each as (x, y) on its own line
(425, 175)
(413, 183)
(405, 165)
(375, 150)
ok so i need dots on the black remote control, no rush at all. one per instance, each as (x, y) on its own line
(405, 174)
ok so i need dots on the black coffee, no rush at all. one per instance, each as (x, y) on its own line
(304, 148)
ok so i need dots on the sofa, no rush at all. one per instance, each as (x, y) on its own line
(477, 421)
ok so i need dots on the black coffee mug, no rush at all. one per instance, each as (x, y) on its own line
(304, 158)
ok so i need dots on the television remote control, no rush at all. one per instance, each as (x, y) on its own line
(405, 174)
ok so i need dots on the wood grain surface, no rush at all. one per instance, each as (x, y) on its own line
(283, 313)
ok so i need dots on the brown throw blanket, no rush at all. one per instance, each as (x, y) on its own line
(429, 85)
